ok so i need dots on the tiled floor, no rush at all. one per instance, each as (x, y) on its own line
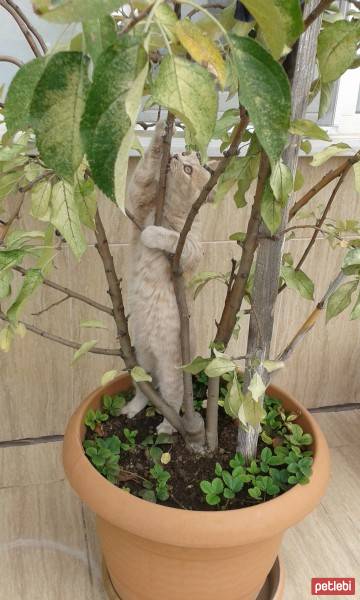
(48, 544)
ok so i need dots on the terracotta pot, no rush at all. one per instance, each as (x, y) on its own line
(154, 552)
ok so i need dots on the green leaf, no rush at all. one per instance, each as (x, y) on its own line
(56, 109)
(355, 313)
(217, 486)
(40, 200)
(298, 281)
(8, 183)
(84, 348)
(86, 201)
(110, 113)
(219, 366)
(233, 398)
(227, 121)
(198, 364)
(254, 492)
(32, 280)
(11, 258)
(93, 324)
(337, 44)
(99, 34)
(72, 11)
(265, 93)
(299, 180)
(351, 262)
(306, 146)
(321, 157)
(206, 487)
(65, 217)
(309, 129)
(188, 90)
(20, 93)
(281, 182)
(291, 16)
(340, 299)
(257, 387)
(139, 374)
(267, 13)
(201, 48)
(5, 284)
(271, 210)
(325, 98)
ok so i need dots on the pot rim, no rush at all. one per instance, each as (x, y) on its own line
(189, 528)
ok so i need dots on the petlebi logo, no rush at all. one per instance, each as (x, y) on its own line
(333, 586)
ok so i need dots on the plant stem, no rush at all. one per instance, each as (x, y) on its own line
(169, 127)
(328, 178)
(63, 341)
(127, 351)
(311, 319)
(23, 23)
(317, 11)
(212, 413)
(140, 17)
(221, 166)
(235, 297)
(11, 59)
(320, 221)
(268, 262)
(71, 293)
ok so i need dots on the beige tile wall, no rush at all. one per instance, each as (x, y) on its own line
(39, 388)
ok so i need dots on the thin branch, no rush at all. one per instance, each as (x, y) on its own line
(311, 320)
(166, 146)
(127, 351)
(63, 341)
(140, 17)
(235, 298)
(57, 303)
(212, 413)
(11, 59)
(320, 221)
(30, 26)
(6, 226)
(132, 218)
(23, 24)
(30, 185)
(328, 178)
(206, 6)
(321, 7)
(70, 293)
(233, 150)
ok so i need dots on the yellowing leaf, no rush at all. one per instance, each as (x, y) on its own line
(84, 348)
(187, 90)
(32, 280)
(108, 376)
(257, 387)
(72, 11)
(40, 199)
(94, 324)
(321, 157)
(201, 48)
(6, 336)
(139, 374)
(165, 458)
(219, 366)
(65, 217)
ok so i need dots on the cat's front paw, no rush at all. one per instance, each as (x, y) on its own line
(150, 236)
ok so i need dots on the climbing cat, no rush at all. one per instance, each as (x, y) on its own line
(154, 317)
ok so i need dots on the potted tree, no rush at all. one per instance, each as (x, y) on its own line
(197, 503)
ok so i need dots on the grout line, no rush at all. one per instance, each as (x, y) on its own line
(45, 439)
(336, 407)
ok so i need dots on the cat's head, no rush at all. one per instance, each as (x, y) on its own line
(186, 178)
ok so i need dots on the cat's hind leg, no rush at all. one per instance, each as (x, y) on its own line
(172, 388)
(138, 403)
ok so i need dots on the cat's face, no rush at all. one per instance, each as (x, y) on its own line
(186, 178)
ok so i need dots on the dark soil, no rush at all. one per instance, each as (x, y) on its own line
(187, 469)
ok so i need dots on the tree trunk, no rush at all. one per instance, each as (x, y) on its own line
(268, 262)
